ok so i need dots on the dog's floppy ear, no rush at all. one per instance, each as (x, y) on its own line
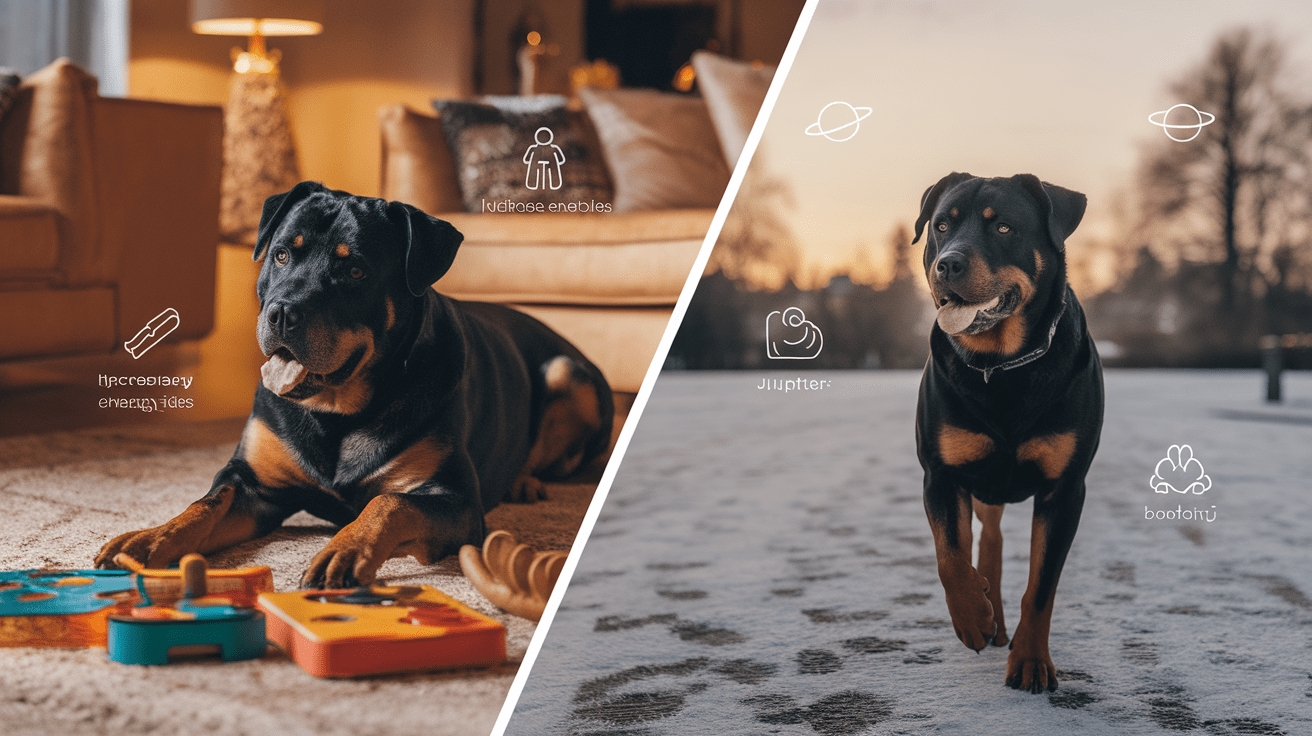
(930, 199)
(431, 245)
(1065, 208)
(276, 208)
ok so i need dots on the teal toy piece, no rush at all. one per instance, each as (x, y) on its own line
(194, 626)
(59, 592)
(238, 636)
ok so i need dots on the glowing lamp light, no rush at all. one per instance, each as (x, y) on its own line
(257, 19)
(259, 154)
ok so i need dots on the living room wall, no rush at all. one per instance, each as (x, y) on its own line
(410, 51)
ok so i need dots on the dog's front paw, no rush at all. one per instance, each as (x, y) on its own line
(350, 559)
(969, 607)
(157, 547)
(1029, 666)
(527, 489)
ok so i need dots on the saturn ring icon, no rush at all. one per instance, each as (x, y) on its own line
(840, 124)
(1160, 117)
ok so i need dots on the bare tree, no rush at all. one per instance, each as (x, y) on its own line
(1239, 191)
(756, 244)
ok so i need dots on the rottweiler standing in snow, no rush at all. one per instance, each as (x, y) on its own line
(1011, 402)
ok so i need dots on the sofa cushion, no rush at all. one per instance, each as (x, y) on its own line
(40, 321)
(52, 123)
(734, 91)
(523, 150)
(29, 229)
(618, 259)
(417, 165)
(661, 149)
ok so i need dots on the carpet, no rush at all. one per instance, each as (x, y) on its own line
(64, 494)
(763, 565)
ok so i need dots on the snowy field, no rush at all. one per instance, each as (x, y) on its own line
(763, 565)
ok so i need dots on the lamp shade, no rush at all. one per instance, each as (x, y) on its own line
(257, 17)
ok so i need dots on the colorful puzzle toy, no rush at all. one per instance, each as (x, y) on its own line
(371, 630)
(197, 624)
(61, 608)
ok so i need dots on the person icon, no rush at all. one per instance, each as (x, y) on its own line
(540, 158)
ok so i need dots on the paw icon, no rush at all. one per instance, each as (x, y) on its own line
(789, 335)
(1181, 472)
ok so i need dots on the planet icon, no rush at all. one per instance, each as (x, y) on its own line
(838, 121)
(1202, 119)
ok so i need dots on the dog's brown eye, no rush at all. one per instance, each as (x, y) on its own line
(280, 256)
(356, 272)
(942, 227)
(1004, 228)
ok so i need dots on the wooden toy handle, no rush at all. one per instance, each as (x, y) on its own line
(514, 577)
(193, 575)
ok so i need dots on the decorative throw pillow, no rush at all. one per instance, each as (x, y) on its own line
(525, 154)
(661, 148)
(734, 91)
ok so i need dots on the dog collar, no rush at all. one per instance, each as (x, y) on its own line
(1025, 359)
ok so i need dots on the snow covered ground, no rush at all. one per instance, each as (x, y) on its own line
(763, 565)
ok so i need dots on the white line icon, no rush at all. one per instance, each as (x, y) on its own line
(843, 119)
(541, 157)
(806, 339)
(1159, 119)
(155, 330)
(1180, 466)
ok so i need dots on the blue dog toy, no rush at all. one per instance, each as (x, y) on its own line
(194, 626)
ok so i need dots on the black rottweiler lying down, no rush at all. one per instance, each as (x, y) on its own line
(1011, 401)
(385, 407)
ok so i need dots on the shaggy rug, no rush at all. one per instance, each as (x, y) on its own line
(763, 565)
(65, 494)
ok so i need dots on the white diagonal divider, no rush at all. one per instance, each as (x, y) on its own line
(653, 370)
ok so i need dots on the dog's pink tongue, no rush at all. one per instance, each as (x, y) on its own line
(955, 319)
(282, 374)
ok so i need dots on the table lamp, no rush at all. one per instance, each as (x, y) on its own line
(259, 157)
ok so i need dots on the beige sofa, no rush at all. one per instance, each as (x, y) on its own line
(108, 215)
(607, 282)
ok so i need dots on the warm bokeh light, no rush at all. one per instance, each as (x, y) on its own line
(684, 78)
(534, 38)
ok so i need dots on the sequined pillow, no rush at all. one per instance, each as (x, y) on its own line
(525, 154)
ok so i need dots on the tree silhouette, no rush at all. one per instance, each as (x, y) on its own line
(1240, 190)
(756, 244)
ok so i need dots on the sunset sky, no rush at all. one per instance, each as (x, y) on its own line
(1062, 91)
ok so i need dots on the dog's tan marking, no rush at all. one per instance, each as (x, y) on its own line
(1052, 453)
(989, 213)
(391, 313)
(1008, 336)
(1038, 265)
(572, 416)
(354, 394)
(343, 250)
(349, 398)
(959, 446)
(273, 462)
(298, 241)
(953, 212)
(990, 561)
(1005, 338)
(411, 468)
(1029, 665)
